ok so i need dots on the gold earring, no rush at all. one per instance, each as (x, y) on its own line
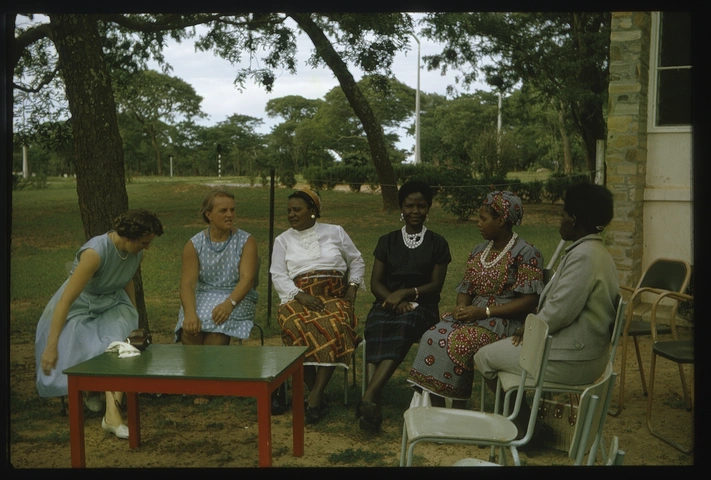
(313, 217)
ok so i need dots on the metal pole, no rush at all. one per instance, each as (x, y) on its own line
(171, 166)
(271, 247)
(417, 104)
(498, 123)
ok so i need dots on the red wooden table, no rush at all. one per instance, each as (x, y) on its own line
(193, 370)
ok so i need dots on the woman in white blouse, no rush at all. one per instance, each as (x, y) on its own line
(317, 270)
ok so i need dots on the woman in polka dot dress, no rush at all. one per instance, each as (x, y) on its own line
(219, 268)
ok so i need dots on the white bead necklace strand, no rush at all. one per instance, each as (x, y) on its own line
(116, 248)
(413, 240)
(501, 255)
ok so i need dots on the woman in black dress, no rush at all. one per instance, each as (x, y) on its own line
(408, 274)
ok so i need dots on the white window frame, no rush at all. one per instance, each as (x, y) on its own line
(653, 77)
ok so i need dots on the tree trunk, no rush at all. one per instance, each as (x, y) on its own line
(567, 152)
(593, 128)
(101, 183)
(361, 107)
(156, 147)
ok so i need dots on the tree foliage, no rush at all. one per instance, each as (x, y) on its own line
(562, 54)
(155, 99)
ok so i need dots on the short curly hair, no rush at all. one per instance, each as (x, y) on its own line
(209, 201)
(591, 204)
(415, 186)
(137, 223)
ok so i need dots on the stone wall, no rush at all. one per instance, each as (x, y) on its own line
(626, 149)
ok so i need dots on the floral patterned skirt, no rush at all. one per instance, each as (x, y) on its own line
(444, 364)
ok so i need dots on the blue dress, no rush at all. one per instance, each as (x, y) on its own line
(103, 313)
(217, 277)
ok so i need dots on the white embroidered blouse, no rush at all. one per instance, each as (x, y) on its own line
(321, 247)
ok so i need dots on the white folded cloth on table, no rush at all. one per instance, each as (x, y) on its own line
(124, 349)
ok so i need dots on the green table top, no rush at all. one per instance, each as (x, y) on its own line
(194, 361)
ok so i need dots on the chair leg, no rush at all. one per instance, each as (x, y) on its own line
(641, 366)
(403, 449)
(687, 397)
(650, 398)
(621, 379)
(345, 386)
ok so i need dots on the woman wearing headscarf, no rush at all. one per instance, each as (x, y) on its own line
(578, 303)
(317, 271)
(502, 280)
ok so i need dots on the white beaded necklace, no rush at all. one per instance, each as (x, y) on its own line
(506, 249)
(115, 248)
(413, 240)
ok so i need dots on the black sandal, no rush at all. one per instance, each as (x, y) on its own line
(370, 416)
(314, 415)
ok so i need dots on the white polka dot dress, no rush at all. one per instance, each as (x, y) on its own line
(217, 277)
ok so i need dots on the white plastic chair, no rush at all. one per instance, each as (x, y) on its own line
(588, 432)
(508, 381)
(448, 425)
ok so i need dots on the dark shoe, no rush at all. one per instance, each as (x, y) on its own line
(314, 415)
(279, 403)
(542, 434)
(370, 416)
(277, 407)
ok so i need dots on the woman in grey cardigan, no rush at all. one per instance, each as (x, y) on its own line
(578, 303)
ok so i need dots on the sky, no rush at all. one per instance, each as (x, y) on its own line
(212, 78)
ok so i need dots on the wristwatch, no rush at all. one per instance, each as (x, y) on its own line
(234, 304)
(354, 284)
(488, 312)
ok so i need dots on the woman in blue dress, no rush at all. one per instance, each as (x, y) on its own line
(219, 268)
(95, 306)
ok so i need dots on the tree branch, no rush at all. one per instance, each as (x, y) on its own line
(47, 79)
(24, 40)
(168, 22)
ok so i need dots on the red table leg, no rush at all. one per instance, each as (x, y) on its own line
(297, 408)
(76, 423)
(264, 419)
(134, 420)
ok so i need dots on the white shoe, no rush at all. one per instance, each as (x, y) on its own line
(121, 431)
(93, 403)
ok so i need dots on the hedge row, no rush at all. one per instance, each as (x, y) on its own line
(456, 189)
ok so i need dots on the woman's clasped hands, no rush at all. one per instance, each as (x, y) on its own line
(468, 313)
(397, 302)
(310, 302)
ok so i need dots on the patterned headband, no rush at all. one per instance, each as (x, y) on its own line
(507, 205)
(313, 196)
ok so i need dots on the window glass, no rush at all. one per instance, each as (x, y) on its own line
(674, 70)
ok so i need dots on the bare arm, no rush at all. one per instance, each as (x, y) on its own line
(189, 271)
(130, 290)
(89, 263)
